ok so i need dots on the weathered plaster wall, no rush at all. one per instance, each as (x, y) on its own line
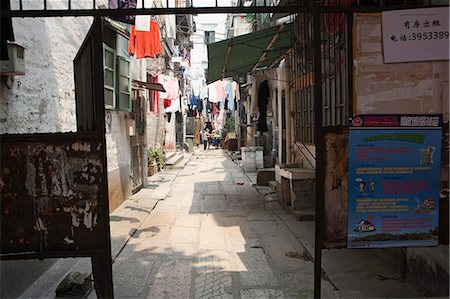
(336, 188)
(43, 100)
(415, 87)
(119, 158)
(155, 128)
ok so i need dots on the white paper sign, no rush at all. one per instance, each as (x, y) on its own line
(416, 34)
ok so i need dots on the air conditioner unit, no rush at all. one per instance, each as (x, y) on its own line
(15, 65)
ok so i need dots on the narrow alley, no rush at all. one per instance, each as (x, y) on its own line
(205, 231)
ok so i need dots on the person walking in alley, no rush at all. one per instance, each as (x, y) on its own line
(205, 137)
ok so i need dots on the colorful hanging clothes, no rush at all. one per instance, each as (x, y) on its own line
(167, 103)
(145, 44)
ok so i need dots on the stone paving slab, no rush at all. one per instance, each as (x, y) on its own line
(173, 280)
(258, 273)
(262, 294)
(131, 275)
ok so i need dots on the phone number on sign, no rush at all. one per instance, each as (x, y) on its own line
(421, 36)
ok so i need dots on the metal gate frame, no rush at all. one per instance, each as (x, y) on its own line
(316, 9)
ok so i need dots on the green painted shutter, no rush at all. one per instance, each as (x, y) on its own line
(109, 76)
(124, 84)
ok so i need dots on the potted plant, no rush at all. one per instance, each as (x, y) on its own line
(155, 160)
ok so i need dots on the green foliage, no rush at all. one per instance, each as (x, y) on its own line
(156, 155)
(230, 125)
(190, 143)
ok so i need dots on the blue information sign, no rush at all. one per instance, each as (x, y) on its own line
(394, 178)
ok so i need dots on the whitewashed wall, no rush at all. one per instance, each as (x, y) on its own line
(43, 100)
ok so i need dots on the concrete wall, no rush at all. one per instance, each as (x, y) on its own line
(414, 87)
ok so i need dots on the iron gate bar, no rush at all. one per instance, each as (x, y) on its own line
(100, 12)
(320, 154)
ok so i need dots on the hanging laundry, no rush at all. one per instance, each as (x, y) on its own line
(212, 92)
(167, 103)
(143, 43)
(7, 33)
(216, 110)
(263, 100)
(143, 23)
(123, 4)
(220, 90)
(154, 97)
(203, 90)
(196, 85)
(194, 100)
(171, 96)
(199, 105)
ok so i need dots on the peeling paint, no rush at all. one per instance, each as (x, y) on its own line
(49, 195)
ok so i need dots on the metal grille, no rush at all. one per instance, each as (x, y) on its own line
(335, 73)
(303, 70)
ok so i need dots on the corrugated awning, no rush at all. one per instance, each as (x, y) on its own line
(250, 52)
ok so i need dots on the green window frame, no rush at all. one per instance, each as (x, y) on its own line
(109, 77)
(124, 84)
(117, 80)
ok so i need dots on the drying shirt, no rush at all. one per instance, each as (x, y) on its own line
(145, 44)
(212, 93)
(220, 90)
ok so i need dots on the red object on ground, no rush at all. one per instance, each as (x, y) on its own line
(239, 182)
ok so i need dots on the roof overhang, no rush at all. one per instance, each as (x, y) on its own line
(148, 85)
(247, 53)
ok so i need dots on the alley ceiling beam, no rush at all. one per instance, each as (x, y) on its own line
(292, 8)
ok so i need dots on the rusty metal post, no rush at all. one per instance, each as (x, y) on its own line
(101, 264)
(320, 152)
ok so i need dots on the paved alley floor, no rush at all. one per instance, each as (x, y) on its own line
(204, 231)
(212, 237)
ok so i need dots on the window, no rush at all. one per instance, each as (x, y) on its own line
(109, 73)
(210, 37)
(124, 90)
(117, 80)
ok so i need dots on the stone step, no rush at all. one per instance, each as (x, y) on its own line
(169, 155)
(174, 160)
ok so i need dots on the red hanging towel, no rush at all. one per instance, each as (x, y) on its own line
(155, 98)
(143, 43)
(167, 103)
